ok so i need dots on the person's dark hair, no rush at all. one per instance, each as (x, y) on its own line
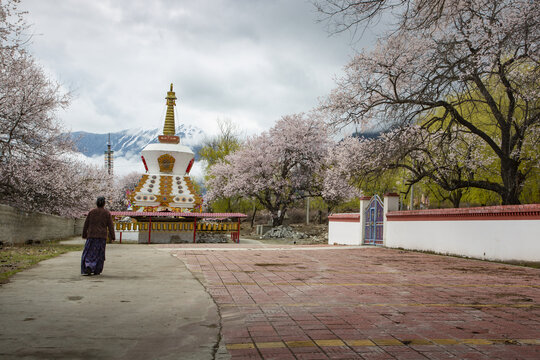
(100, 201)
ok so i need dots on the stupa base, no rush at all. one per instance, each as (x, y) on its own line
(165, 237)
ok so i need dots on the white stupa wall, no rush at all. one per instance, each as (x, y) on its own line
(182, 155)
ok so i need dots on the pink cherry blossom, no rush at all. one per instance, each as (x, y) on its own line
(278, 167)
(471, 67)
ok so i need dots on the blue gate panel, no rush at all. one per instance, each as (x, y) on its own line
(373, 227)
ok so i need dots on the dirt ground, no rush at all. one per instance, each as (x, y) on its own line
(316, 234)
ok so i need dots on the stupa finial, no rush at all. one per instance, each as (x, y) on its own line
(169, 127)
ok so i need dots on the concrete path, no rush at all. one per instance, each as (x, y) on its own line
(145, 305)
(131, 238)
(249, 241)
(273, 302)
(285, 302)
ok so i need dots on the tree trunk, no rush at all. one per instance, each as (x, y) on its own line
(511, 197)
(277, 218)
(455, 197)
(253, 215)
(512, 180)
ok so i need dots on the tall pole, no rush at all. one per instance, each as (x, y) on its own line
(307, 211)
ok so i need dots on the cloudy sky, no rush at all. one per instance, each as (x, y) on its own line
(250, 61)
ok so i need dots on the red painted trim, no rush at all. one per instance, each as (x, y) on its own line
(190, 165)
(501, 212)
(169, 139)
(350, 220)
(354, 217)
(365, 198)
(144, 162)
(391, 195)
(164, 213)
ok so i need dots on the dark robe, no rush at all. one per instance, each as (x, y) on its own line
(93, 256)
(97, 227)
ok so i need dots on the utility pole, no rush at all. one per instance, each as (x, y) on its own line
(307, 211)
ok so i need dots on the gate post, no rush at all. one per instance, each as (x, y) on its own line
(391, 203)
(364, 202)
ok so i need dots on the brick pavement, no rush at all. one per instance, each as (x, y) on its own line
(368, 303)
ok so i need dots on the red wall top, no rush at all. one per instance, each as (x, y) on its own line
(501, 212)
(350, 217)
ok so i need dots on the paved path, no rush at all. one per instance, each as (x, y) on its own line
(367, 303)
(145, 305)
(274, 302)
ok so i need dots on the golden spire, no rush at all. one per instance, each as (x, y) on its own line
(169, 128)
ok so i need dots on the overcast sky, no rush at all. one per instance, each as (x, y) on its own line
(251, 61)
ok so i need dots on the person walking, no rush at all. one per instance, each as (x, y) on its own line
(97, 225)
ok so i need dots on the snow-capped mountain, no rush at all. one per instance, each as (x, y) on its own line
(129, 143)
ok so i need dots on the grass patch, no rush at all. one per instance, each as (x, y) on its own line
(15, 258)
(532, 264)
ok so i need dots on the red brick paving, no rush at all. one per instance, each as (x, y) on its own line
(314, 304)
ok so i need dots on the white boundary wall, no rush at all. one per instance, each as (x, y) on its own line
(483, 239)
(344, 229)
(503, 233)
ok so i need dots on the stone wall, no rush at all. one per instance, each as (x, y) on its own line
(18, 227)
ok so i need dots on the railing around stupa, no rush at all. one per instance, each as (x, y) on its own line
(175, 226)
(172, 222)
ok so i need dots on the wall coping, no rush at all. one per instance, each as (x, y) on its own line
(344, 217)
(500, 212)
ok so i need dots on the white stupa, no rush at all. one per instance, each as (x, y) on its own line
(167, 185)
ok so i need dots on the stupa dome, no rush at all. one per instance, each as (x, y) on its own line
(156, 159)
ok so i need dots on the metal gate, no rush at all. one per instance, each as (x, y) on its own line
(374, 222)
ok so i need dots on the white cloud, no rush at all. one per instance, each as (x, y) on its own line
(126, 165)
(248, 60)
(121, 165)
